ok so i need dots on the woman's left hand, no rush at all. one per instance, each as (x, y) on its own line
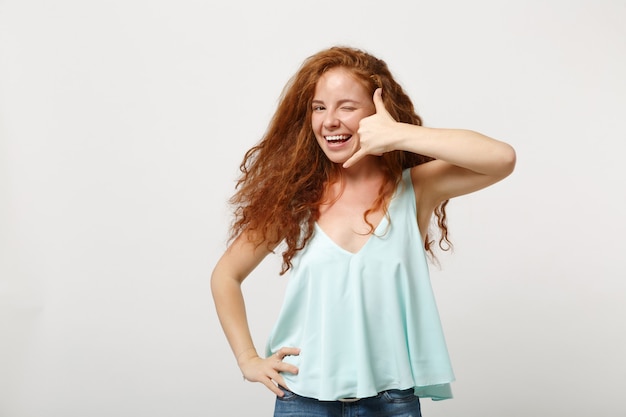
(375, 132)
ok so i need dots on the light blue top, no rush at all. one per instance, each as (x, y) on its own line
(367, 321)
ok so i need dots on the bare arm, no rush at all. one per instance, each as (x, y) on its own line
(231, 270)
(466, 161)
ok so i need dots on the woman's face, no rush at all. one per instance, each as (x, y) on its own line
(339, 104)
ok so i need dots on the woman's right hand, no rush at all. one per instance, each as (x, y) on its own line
(267, 371)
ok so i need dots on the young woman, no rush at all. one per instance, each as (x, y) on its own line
(346, 182)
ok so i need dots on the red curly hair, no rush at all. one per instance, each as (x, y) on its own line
(284, 176)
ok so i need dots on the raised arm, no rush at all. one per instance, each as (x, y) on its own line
(230, 271)
(465, 161)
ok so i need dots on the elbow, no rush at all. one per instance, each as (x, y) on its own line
(215, 284)
(510, 159)
(506, 161)
(224, 277)
(218, 280)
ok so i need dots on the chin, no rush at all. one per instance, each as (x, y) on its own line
(337, 159)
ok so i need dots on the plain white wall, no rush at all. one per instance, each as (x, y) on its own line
(123, 122)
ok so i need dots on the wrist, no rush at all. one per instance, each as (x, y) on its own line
(406, 136)
(246, 354)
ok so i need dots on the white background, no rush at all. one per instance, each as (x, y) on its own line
(123, 122)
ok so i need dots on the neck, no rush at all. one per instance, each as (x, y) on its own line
(367, 169)
(362, 178)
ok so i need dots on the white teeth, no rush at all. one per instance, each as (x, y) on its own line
(337, 138)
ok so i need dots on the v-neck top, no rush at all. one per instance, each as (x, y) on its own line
(365, 322)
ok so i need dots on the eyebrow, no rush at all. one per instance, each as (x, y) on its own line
(343, 101)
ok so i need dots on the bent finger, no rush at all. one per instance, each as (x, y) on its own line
(286, 367)
(279, 382)
(273, 387)
(287, 351)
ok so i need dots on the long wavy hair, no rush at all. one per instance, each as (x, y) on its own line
(284, 176)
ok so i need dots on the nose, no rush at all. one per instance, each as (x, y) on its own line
(331, 121)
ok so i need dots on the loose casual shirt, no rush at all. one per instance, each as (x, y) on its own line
(367, 321)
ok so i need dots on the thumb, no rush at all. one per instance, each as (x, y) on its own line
(378, 101)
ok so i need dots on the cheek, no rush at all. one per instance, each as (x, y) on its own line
(315, 123)
(354, 119)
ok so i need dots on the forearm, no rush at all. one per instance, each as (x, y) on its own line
(464, 148)
(231, 311)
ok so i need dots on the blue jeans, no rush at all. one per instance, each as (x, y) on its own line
(391, 403)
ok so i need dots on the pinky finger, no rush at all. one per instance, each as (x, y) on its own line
(273, 387)
(353, 159)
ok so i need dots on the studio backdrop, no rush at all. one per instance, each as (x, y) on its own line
(122, 127)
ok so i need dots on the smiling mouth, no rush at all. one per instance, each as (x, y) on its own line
(337, 138)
